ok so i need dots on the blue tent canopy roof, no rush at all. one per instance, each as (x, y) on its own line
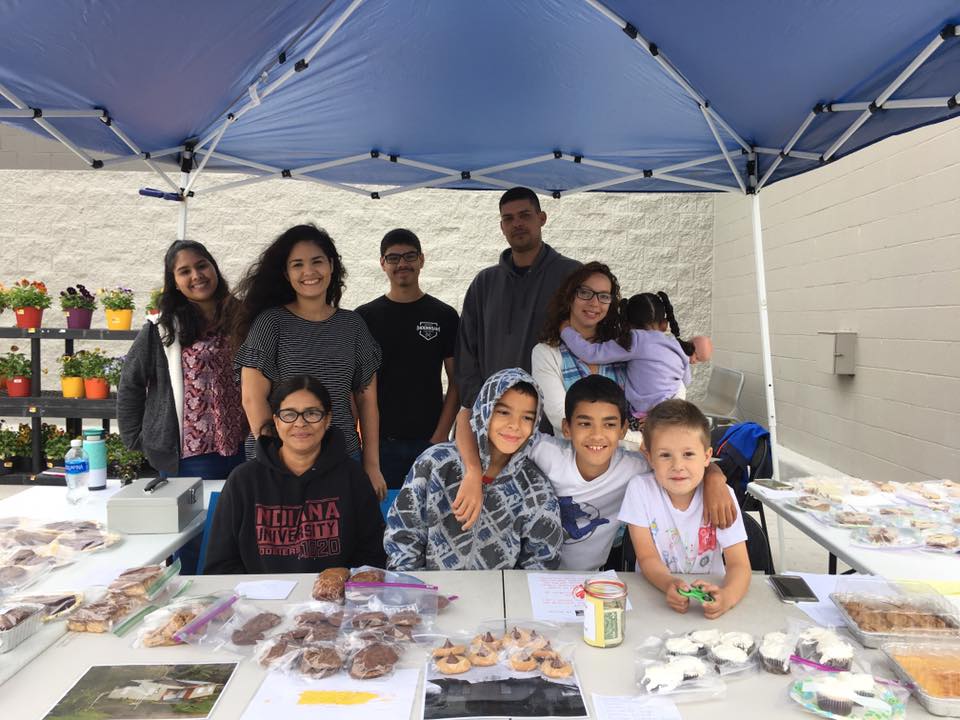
(463, 85)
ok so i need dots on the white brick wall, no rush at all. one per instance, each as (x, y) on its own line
(91, 227)
(868, 244)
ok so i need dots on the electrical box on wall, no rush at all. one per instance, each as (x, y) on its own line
(836, 352)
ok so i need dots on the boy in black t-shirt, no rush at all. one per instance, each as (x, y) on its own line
(417, 334)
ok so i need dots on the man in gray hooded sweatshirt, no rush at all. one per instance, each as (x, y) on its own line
(505, 306)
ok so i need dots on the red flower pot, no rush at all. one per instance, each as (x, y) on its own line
(96, 388)
(18, 386)
(28, 317)
(78, 318)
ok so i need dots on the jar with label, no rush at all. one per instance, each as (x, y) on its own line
(604, 605)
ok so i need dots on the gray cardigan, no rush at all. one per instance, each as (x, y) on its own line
(150, 399)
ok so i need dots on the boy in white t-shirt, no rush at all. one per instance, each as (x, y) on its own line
(666, 518)
(590, 472)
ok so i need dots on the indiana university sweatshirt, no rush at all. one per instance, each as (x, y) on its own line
(269, 520)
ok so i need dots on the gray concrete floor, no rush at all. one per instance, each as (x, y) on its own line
(802, 553)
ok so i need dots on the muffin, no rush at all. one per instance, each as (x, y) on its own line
(662, 678)
(705, 637)
(741, 640)
(775, 653)
(836, 654)
(726, 655)
(691, 667)
(683, 646)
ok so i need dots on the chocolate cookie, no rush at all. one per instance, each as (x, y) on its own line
(373, 661)
(276, 651)
(320, 661)
(11, 576)
(319, 618)
(406, 618)
(370, 620)
(253, 630)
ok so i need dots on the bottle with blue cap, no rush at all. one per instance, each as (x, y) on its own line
(96, 448)
(77, 464)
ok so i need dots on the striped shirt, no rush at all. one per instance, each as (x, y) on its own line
(338, 351)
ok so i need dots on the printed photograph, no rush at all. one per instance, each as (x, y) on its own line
(144, 692)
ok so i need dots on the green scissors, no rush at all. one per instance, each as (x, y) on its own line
(697, 594)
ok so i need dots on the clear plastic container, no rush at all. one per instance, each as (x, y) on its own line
(877, 610)
(933, 672)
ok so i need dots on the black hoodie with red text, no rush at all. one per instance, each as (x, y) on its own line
(268, 520)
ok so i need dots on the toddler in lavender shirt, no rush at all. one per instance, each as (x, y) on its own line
(658, 365)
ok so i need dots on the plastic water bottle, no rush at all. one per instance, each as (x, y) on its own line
(77, 463)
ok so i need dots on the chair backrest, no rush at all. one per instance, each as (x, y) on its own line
(723, 393)
(205, 538)
(758, 545)
(387, 502)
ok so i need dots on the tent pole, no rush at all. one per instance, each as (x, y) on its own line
(186, 164)
(766, 355)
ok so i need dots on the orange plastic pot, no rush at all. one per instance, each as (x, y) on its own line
(18, 386)
(119, 319)
(96, 388)
(72, 387)
(29, 317)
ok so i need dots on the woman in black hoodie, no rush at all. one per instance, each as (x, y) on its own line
(302, 505)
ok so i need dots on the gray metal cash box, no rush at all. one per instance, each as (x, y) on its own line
(168, 508)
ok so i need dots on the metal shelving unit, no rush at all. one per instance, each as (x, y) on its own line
(48, 404)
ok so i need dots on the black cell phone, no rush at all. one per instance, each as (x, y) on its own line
(793, 589)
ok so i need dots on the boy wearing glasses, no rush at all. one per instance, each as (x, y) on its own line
(417, 333)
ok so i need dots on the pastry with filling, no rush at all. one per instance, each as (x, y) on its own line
(135, 581)
(448, 648)
(453, 664)
(556, 667)
(523, 662)
(488, 639)
(482, 656)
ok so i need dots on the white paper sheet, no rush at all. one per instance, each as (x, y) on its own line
(553, 598)
(623, 707)
(335, 698)
(266, 589)
(824, 612)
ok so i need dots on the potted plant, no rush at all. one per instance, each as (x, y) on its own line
(93, 367)
(123, 463)
(118, 306)
(15, 366)
(56, 443)
(78, 305)
(113, 370)
(28, 299)
(8, 446)
(71, 375)
(153, 305)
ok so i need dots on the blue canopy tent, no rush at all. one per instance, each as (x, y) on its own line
(379, 97)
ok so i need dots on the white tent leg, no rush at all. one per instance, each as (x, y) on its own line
(766, 356)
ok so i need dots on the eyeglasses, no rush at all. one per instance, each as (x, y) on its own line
(394, 258)
(586, 294)
(311, 415)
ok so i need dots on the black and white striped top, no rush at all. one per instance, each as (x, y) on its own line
(339, 352)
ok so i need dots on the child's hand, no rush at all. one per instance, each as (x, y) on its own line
(469, 499)
(720, 604)
(675, 600)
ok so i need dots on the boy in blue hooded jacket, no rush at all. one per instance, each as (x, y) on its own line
(520, 523)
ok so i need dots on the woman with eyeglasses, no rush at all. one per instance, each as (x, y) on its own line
(302, 505)
(291, 323)
(589, 301)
